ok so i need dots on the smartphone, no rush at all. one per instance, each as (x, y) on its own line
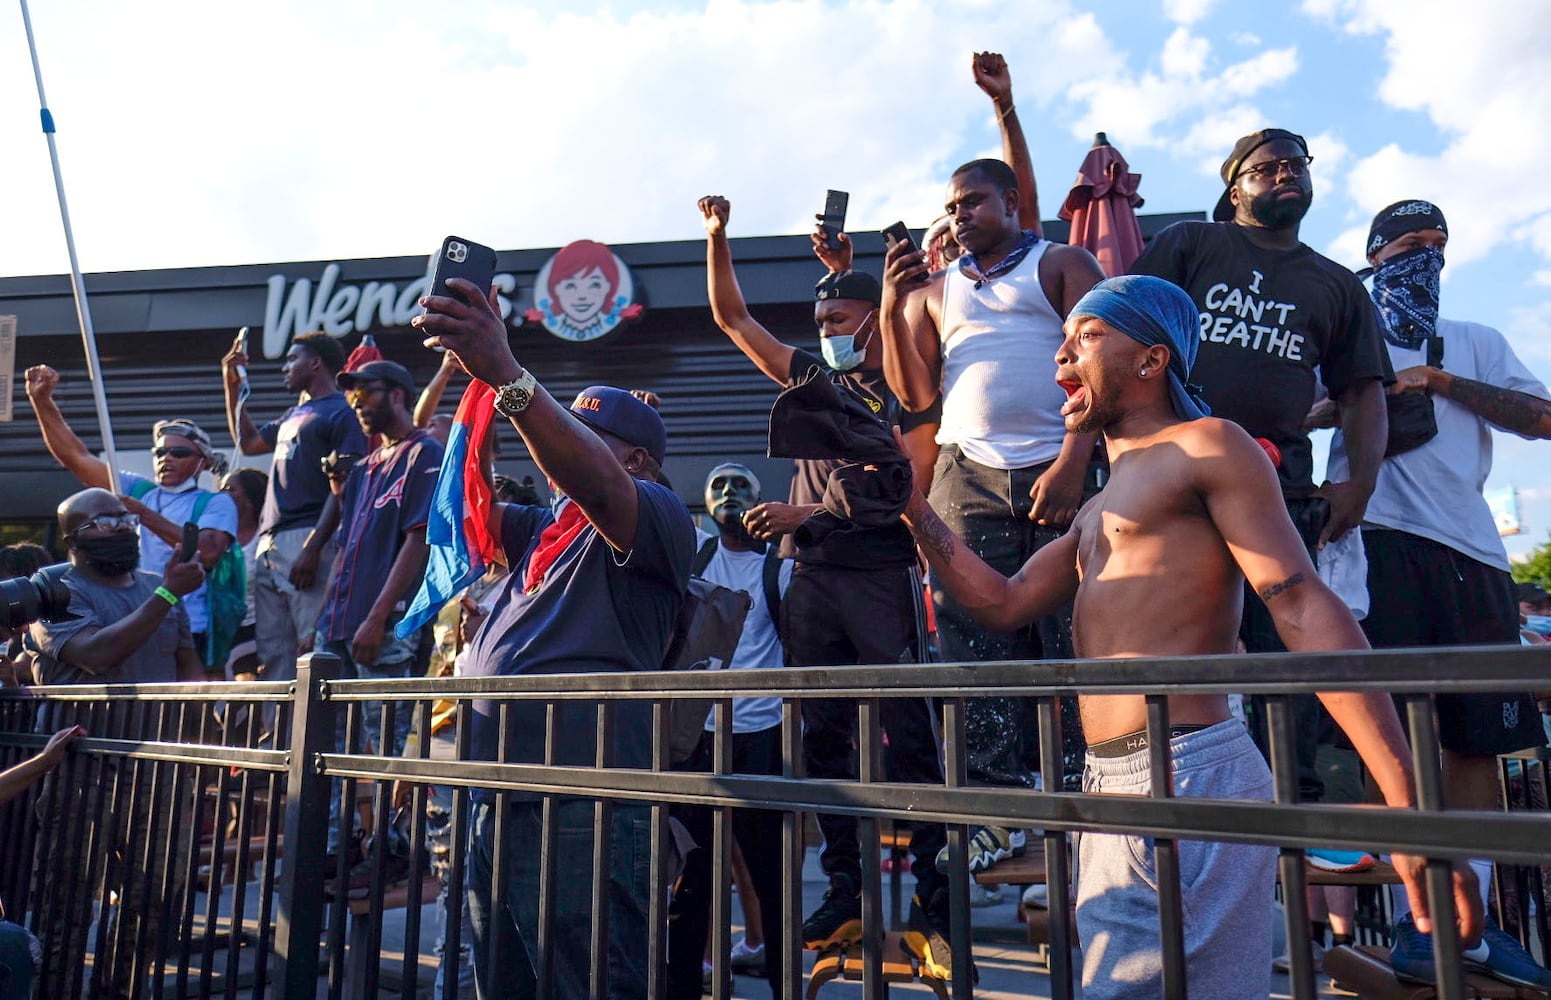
(242, 345)
(897, 233)
(461, 258)
(190, 541)
(834, 221)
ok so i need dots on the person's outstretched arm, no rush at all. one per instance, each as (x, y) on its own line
(571, 455)
(731, 313)
(61, 442)
(993, 77)
(243, 430)
(431, 395)
(1243, 498)
(15, 780)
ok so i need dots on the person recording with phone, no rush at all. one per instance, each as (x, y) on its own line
(126, 626)
(296, 525)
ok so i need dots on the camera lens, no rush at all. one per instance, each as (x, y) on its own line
(42, 597)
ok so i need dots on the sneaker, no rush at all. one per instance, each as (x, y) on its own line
(838, 920)
(926, 938)
(1037, 895)
(1411, 955)
(987, 846)
(1507, 960)
(1283, 962)
(1340, 861)
(749, 961)
(985, 895)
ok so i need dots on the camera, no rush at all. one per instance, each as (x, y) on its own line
(339, 463)
(42, 596)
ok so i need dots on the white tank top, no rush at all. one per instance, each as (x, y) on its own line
(1001, 404)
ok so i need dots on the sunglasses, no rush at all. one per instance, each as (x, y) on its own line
(360, 392)
(1296, 166)
(108, 522)
(176, 451)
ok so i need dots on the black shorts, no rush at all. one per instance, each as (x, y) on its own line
(1423, 593)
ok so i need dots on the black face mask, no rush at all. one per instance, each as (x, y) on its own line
(1405, 288)
(113, 554)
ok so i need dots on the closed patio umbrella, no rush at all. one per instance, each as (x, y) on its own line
(1101, 206)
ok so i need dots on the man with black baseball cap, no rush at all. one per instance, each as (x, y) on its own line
(1276, 316)
(382, 551)
(1437, 570)
(855, 595)
(594, 587)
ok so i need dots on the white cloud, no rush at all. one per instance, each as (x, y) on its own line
(1186, 11)
(1485, 84)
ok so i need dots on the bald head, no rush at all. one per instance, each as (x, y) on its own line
(78, 508)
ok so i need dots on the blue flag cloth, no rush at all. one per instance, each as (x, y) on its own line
(456, 530)
(1153, 311)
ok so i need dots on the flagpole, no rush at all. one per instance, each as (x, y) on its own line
(77, 283)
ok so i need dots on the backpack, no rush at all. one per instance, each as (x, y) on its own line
(226, 588)
(705, 637)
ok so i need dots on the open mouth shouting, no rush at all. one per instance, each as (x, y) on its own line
(1076, 396)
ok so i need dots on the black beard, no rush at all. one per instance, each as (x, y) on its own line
(1276, 214)
(732, 529)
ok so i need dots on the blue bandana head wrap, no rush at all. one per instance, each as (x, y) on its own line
(1153, 311)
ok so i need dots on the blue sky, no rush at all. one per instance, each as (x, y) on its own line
(195, 133)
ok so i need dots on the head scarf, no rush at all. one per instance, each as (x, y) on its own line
(1404, 217)
(1153, 311)
(183, 427)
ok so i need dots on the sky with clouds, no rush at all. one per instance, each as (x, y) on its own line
(194, 133)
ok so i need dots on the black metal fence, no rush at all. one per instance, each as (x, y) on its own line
(180, 849)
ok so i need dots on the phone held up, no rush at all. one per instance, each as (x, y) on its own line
(834, 221)
(900, 233)
(461, 258)
(190, 541)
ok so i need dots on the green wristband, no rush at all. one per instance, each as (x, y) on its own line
(167, 595)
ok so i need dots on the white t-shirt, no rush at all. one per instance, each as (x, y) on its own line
(760, 645)
(1435, 491)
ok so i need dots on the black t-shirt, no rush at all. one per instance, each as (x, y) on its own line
(864, 548)
(1269, 319)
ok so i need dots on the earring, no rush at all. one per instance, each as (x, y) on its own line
(1142, 372)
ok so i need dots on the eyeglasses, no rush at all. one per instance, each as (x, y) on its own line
(108, 522)
(1296, 166)
(176, 451)
(357, 393)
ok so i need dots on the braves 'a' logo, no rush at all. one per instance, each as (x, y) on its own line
(393, 494)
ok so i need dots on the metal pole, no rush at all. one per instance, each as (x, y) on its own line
(77, 283)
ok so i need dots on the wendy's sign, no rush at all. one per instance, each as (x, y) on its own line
(583, 292)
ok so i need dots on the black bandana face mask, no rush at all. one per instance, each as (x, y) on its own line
(1405, 288)
(113, 554)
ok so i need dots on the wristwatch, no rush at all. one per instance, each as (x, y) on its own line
(514, 397)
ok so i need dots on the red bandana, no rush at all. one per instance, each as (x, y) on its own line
(552, 542)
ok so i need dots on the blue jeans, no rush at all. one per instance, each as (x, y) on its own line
(396, 659)
(510, 976)
(438, 840)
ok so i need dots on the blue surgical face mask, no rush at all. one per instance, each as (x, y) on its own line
(841, 353)
(1539, 624)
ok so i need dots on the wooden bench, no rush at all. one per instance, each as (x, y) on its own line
(1365, 970)
(362, 916)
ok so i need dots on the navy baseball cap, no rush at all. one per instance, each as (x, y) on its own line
(390, 372)
(1241, 150)
(614, 411)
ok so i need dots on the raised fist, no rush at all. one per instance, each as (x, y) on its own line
(716, 210)
(41, 380)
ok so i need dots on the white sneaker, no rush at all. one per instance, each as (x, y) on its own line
(984, 895)
(1283, 962)
(1038, 895)
(745, 959)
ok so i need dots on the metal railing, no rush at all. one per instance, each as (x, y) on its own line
(157, 768)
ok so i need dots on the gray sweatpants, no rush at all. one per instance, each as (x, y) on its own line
(1227, 889)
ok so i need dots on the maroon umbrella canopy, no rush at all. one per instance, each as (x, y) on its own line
(1101, 206)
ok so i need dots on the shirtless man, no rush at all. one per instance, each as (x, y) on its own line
(1155, 566)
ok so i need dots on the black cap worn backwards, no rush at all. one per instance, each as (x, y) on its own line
(848, 285)
(1241, 150)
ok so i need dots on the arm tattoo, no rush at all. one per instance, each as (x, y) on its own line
(1277, 589)
(1511, 410)
(932, 533)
